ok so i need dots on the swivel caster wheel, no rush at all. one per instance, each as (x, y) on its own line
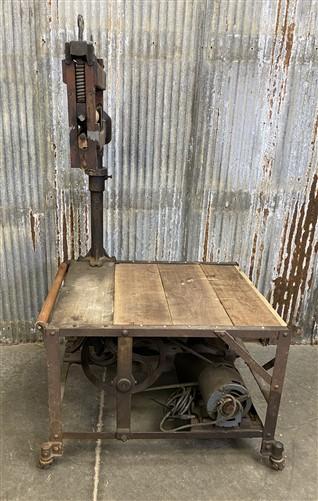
(277, 465)
(48, 453)
(277, 459)
(44, 465)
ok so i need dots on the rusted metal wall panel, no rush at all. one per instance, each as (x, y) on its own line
(27, 192)
(214, 150)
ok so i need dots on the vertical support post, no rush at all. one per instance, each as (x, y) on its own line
(97, 234)
(124, 384)
(52, 345)
(97, 252)
(54, 447)
(276, 387)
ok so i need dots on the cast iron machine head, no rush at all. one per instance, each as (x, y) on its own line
(90, 128)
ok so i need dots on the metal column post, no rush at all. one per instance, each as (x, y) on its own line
(124, 385)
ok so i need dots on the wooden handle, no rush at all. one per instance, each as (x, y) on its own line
(49, 302)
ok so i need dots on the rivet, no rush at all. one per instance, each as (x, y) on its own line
(125, 332)
(285, 334)
(268, 434)
(56, 436)
(276, 386)
(55, 448)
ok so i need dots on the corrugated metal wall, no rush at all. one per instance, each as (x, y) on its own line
(214, 150)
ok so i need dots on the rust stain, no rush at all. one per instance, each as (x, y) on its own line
(279, 7)
(283, 38)
(281, 35)
(281, 250)
(267, 165)
(32, 224)
(284, 32)
(289, 288)
(315, 131)
(260, 258)
(289, 44)
(65, 252)
(250, 273)
(261, 245)
(266, 214)
(271, 101)
(206, 234)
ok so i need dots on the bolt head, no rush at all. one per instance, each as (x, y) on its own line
(124, 385)
(125, 332)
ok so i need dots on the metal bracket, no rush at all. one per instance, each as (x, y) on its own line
(240, 350)
(50, 450)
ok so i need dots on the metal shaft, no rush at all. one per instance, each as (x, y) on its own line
(97, 233)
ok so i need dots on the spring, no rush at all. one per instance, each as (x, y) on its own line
(80, 82)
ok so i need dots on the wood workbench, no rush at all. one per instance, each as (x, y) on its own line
(167, 294)
(127, 300)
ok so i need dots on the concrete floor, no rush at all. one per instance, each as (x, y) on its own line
(150, 470)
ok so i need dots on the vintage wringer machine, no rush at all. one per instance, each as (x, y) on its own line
(171, 331)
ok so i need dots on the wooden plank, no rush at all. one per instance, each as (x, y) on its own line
(139, 296)
(262, 298)
(243, 305)
(190, 298)
(86, 297)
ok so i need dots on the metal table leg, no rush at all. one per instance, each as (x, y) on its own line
(124, 385)
(270, 447)
(54, 447)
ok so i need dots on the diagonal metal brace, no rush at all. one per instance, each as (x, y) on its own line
(240, 350)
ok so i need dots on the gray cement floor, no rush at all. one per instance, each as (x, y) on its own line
(149, 470)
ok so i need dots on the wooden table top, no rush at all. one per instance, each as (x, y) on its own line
(160, 294)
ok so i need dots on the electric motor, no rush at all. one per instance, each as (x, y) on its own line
(226, 398)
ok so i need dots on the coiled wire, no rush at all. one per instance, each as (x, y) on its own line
(179, 407)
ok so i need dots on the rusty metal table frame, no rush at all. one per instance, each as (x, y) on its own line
(270, 385)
